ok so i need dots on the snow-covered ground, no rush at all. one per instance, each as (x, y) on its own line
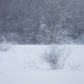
(22, 65)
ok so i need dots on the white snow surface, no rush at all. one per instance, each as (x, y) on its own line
(16, 66)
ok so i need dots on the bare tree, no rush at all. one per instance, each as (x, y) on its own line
(53, 32)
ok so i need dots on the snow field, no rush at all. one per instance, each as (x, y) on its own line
(15, 66)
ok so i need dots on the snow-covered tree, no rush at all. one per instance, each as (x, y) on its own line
(51, 31)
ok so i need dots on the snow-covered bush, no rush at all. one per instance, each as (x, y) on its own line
(56, 56)
(5, 46)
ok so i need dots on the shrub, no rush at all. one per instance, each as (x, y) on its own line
(56, 57)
